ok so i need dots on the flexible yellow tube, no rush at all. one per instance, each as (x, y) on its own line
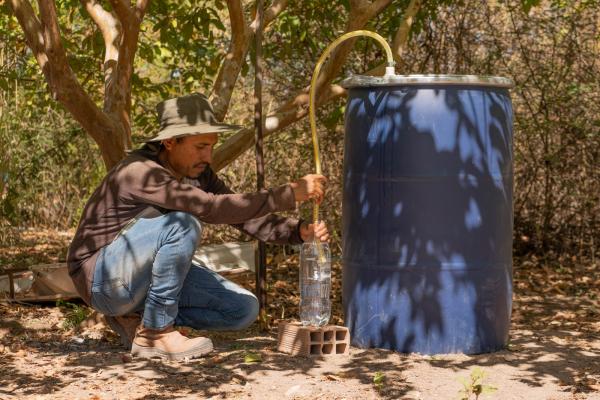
(311, 102)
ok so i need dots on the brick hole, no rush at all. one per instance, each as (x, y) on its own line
(315, 349)
(327, 336)
(340, 348)
(315, 336)
(341, 334)
(328, 348)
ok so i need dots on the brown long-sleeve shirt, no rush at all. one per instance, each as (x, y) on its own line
(140, 181)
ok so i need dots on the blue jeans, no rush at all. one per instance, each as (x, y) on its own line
(148, 268)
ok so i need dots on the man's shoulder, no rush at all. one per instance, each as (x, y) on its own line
(136, 167)
(138, 159)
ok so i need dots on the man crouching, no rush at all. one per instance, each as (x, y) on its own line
(131, 257)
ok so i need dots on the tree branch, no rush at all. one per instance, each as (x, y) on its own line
(117, 96)
(377, 6)
(45, 41)
(122, 9)
(361, 11)
(33, 32)
(295, 109)
(105, 21)
(282, 118)
(400, 38)
(402, 35)
(271, 13)
(140, 8)
(241, 37)
(111, 33)
(51, 34)
(232, 64)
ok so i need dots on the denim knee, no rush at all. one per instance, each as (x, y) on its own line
(184, 228)
(183, 222)
(248, 312)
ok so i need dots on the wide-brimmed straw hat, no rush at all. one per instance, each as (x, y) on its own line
(186, 116)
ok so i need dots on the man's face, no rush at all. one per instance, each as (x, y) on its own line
(189, 156)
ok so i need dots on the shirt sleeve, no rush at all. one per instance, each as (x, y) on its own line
(148, 182)
(270, 228)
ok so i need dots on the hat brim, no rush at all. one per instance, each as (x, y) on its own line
(181, 131)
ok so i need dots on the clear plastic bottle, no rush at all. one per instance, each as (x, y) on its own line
(315, 284)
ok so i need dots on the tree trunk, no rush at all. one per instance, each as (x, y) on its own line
(110, 128)
(113, 143)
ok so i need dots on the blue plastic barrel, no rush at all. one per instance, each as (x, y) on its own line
(427, 213)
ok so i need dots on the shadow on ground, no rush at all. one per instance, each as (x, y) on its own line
(41, 358)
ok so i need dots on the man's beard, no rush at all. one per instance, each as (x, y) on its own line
(197, 166)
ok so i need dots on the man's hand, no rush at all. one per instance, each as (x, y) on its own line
(310, 231)
(308, 187)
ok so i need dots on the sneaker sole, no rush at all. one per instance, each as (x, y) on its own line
(150, 352)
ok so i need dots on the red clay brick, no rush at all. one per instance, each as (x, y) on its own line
(298, 340)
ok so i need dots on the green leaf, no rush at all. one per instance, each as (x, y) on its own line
(252, 358)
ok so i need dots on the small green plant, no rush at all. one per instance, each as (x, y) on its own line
(379, 380)
(474, 386)
(74, 314)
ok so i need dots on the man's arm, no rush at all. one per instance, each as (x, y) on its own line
(148, 182)
(271, 228)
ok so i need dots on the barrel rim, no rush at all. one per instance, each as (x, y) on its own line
(427, 79)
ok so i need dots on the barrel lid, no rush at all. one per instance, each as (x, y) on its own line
(415, 80)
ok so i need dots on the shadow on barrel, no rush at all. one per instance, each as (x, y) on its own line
(427, 218)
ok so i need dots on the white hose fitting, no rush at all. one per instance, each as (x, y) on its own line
(389, 71)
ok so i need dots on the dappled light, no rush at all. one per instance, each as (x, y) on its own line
(553, 348)
(427, 224)
(463, 219)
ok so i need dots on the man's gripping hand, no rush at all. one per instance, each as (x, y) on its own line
(310, 187)
(308, 232)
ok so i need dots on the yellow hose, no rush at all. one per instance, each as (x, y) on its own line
(311, 103)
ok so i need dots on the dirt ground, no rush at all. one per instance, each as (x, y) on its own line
(554, 350)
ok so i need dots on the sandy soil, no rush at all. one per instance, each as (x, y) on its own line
(554, 353)
(39, 359)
